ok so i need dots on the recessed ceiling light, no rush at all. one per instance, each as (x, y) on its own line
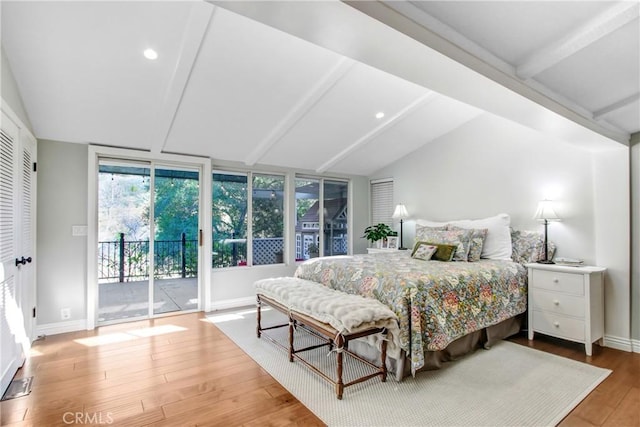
(150, 54)
(379, 115)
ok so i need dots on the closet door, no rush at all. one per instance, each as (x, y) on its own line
(27, 238)
(12, 323)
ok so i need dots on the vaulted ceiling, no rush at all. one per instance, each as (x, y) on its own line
(300, 85)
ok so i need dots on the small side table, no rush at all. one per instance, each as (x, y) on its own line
(567, 302)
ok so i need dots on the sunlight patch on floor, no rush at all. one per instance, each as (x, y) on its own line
(236, 315)
(157, 330)
(129, 335)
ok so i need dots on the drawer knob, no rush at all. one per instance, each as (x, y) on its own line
(556, 280)
(556, 302)
(556, 324)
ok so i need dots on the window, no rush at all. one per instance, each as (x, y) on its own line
(229, 220)
(232, 212)
(268, 219)
(322, 220)
(307, 219)
(249, 218)
(335, 211)
(382, 201)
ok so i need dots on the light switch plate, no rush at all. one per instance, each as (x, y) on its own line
(78, 230)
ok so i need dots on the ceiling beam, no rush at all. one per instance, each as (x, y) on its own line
(301, 108)
(392, 121)
(463, 43)
(597, 115)
(200, 17)
(593, 30)
(448, 33)
(374, 34)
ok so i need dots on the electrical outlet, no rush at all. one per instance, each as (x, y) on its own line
(65, 313)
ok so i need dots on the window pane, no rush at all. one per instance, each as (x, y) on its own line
(229, 220)
(176, 223)
(307, 219)
(335, 218)
(268, 219)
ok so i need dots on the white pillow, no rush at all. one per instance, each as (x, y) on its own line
(497, 244)
(427, 223)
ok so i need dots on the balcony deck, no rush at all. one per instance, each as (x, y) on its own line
(125, 300)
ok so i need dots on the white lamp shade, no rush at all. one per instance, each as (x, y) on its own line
(400, 212)
(545, 211)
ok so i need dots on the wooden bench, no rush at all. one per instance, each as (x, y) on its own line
(334, 339)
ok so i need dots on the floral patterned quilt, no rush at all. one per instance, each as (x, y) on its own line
(436, 302)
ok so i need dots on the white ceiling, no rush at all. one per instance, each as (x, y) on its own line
(232, 88)
(583, 54)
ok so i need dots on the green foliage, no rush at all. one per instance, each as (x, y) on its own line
(176, 208)
(268, 215)
(230, 213)
(229, 218)
(376, 232)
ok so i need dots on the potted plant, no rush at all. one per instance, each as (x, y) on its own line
(378, 232)
(314, 251)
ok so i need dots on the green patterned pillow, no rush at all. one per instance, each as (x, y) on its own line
(443, 252)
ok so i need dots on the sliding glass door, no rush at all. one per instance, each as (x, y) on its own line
(140, 277)
(176, 242)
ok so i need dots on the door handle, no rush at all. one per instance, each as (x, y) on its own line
(22, 261)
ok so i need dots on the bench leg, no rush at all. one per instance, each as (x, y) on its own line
(339, 348)
(258, 305)
(384, 356)
(291, 329)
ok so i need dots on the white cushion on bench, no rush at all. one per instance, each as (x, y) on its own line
(345, 312)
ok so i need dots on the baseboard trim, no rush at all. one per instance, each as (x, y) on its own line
(10, 372)
(619, 343)
(233, 303)
(61, 327)
(635, 345)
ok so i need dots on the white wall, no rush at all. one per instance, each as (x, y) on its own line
(613, 241)
(491, 165)
(635, 240)
(62, 258)
(9, 91)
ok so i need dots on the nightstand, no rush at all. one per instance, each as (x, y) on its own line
(380, 250)
(567, 302)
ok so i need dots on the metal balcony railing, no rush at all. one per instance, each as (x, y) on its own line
(126, 261)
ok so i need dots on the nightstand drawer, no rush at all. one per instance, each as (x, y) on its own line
(558, 303)
(558, 281)
(563, 327)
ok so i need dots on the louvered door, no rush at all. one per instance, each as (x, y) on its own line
(26, 242)
(11, 356)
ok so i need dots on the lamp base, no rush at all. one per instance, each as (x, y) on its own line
(545, 261)
(402, 249)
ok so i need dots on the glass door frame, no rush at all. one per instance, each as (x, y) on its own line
(204, 223)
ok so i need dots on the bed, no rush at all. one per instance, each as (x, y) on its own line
(445, 309)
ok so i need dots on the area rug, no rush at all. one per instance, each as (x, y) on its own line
(508, 385)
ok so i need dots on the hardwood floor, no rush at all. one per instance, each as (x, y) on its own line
(182, 370)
